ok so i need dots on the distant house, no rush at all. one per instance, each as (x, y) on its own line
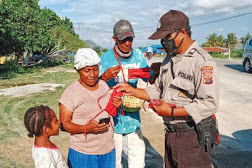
(157, 50)
(221, 50)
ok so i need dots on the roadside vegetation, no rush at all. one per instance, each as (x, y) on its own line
(231, 42)
(26, 29)
(32, 38)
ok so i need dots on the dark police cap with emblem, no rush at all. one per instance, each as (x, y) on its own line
(169, 22)
(123, 29)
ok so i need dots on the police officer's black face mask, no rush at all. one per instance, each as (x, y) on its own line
(170, 46)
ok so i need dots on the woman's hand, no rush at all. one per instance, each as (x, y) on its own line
(94, 127)
(117, 101)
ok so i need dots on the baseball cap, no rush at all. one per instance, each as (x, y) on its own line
(86, 57)
(123, 29)
(169, 22)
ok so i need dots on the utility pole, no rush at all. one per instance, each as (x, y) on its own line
(229, 51)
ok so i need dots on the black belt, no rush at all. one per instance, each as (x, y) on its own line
(185, 126)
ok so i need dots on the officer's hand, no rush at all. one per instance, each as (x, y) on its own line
(164, 109)
(110, 73)
(155, 67)
(126, 88)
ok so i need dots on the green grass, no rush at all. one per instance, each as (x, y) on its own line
(6, 162)
(40, 76)
(10, 69)
(12, 130)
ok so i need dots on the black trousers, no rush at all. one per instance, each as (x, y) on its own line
(182, 149)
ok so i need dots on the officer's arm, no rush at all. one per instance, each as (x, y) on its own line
(165, 109)
(131, 91)
(207, 87)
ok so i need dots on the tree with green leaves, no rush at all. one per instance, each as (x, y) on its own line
(214, 40)
(66, 40)
(232, 41)
(220, 41)
(25, 28)
(244, 39)
(17, 25)
(211, 40)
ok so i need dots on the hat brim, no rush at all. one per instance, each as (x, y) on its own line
(159, 35)
(122, 36)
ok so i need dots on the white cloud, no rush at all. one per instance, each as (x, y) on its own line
(94, 19)
(244, 28)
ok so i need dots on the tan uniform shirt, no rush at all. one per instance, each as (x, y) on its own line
(196, 72)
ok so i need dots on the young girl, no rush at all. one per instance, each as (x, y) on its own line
(42, 122)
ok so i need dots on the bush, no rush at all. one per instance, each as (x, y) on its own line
(218, 55)
(10, 68)
(237, 53)
(234, 54)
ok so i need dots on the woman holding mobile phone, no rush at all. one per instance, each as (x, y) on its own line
(91, 142)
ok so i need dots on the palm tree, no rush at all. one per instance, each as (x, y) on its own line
(211, 40)
(220, 41)
(232, 41)
(245, 39)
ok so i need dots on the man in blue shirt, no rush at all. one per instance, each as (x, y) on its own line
(114, 67)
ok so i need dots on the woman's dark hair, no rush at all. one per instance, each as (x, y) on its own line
(35, 118)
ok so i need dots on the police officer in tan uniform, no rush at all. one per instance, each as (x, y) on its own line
(187, 89)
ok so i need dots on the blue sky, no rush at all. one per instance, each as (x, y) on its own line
(94, 19)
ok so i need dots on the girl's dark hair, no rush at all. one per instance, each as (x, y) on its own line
(35, 118)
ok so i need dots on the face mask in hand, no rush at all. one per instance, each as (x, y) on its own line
(170, 46)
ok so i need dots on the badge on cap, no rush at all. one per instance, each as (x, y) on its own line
(124, 27)
(127, 33)
(159, 24)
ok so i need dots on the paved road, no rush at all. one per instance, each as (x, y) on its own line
(234, 118)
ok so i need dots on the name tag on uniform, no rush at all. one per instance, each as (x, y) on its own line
(185, 76)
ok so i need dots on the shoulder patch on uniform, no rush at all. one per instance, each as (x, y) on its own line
(192, 51)
(207, 74)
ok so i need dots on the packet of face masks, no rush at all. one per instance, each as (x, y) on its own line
(131, 104)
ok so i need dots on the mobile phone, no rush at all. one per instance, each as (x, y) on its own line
(104, 120)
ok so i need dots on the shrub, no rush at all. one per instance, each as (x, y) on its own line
(237, 53)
